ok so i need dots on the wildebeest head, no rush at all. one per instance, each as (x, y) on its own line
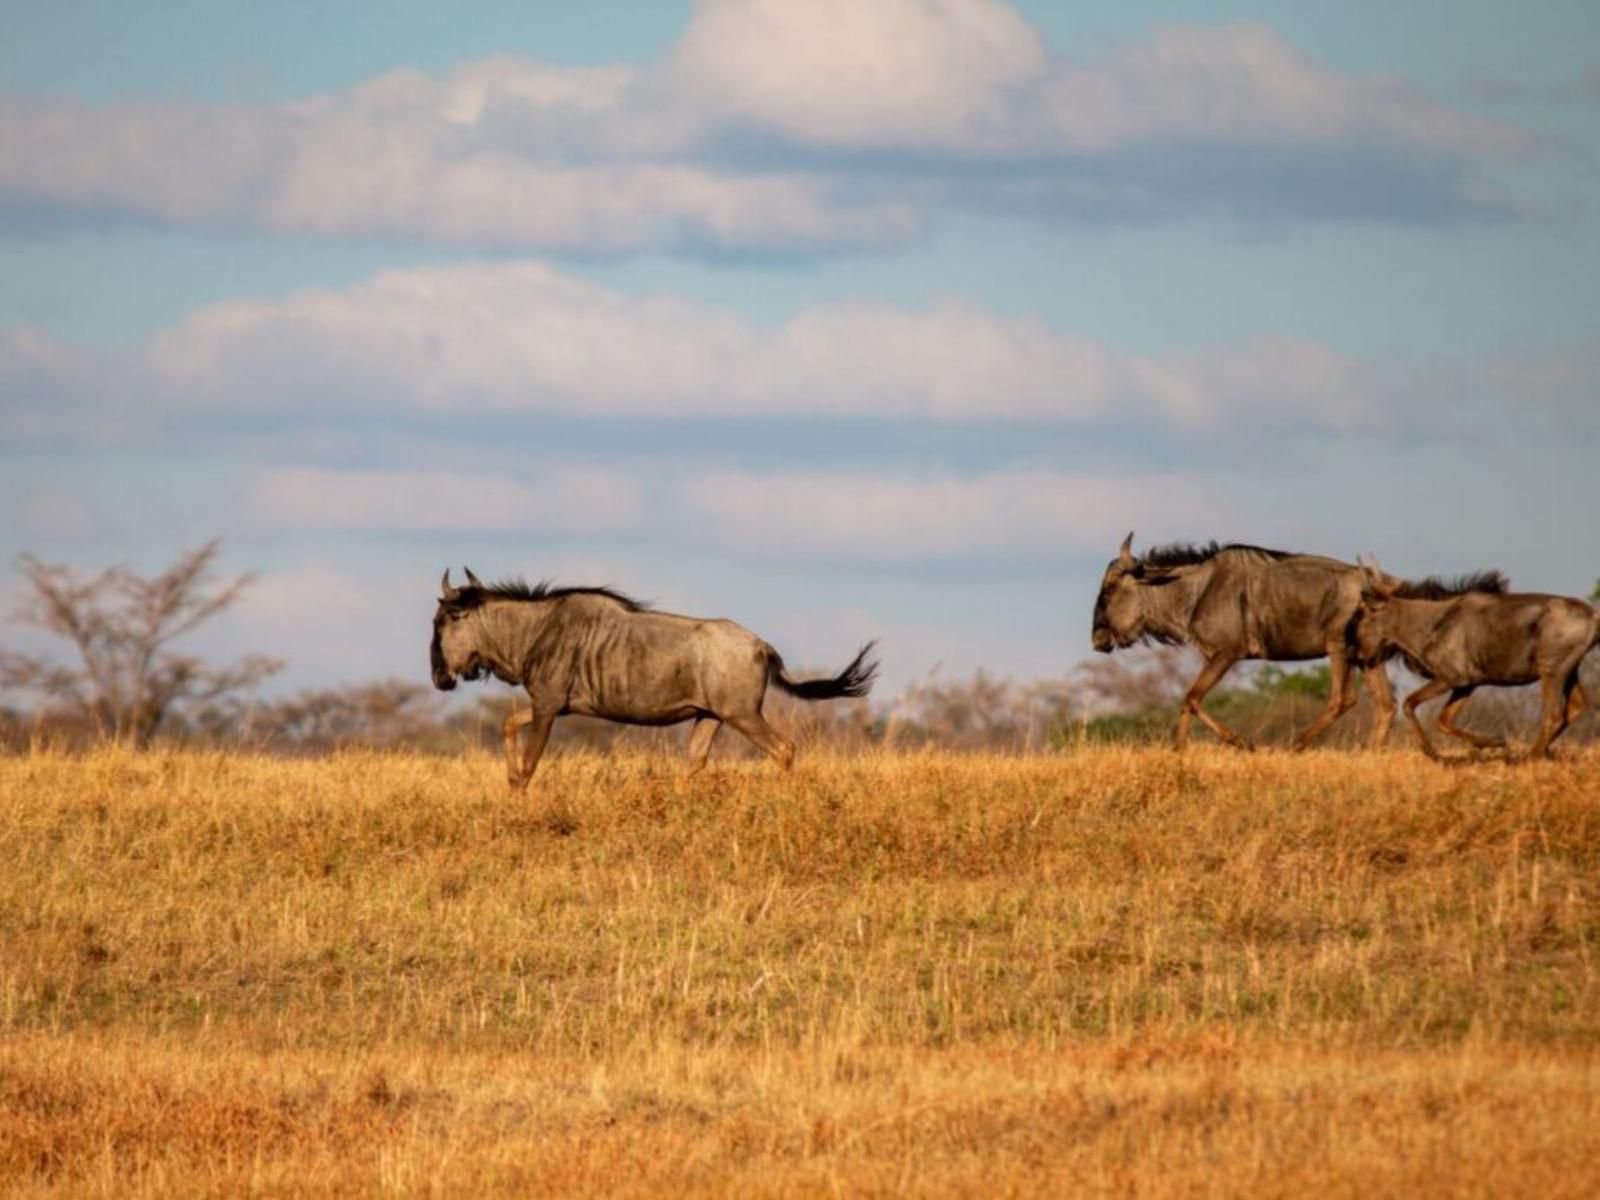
(1370, 627)
(1119, 611)
(454, 652)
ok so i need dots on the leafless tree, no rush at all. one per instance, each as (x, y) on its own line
(128, 680)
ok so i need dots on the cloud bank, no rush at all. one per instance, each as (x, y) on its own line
(773, 127)
(504, 339)
(432, 347)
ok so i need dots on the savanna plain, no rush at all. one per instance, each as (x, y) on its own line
(1101, 971)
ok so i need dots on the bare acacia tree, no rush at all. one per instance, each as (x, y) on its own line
(128, 681)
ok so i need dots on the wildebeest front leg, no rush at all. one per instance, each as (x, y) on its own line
(1376, 677)
(512, 729)
(1210, 674)
(1341, 699)
(700, 739)
(540, 724)
(1446, 721)
(1422, 695)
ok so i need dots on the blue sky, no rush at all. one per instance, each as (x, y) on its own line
(842, 320)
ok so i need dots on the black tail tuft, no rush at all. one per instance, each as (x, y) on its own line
(853, 682)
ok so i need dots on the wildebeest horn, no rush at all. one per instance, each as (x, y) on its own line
(1372, 576)
(472, 579)
(1125, 556)
(445, 590)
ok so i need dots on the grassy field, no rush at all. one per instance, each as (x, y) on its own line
(1112, 971)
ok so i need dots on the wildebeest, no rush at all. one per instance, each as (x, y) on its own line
(594, 652)
(1473, 634)
(1241, 602)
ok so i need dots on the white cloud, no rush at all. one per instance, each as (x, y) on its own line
(409, 156)
(1244, 84)
(570, 499)
(523, 337)
(834, 97)
(905, 518)
(904, 74)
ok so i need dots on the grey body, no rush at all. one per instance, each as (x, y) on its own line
(1233, 603)
(1483, 638)
(594, 652)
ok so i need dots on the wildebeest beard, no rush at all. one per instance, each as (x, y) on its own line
(443, 679)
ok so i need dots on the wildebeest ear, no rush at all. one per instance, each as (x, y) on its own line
(1125, 555)
(446, 592)
(472, 579)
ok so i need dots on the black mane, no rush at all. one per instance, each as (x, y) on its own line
(518, 589)
(1187, 554)
(1434, 588)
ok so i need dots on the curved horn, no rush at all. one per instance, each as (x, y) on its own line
(445, 590)
(1387, 584)
(1374, 579)
(472, 579)
(1125, 555)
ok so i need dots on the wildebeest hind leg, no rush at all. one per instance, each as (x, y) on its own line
(755, 727)
(700, 739)
(1446, 721)
(1210, 674)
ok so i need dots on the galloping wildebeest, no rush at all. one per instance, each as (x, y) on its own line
(1475, 633)
(595, 652)
(1241, 602)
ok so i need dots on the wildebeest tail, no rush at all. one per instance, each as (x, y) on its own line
(854, 681)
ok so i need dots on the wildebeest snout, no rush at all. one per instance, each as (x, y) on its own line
(1103, 641)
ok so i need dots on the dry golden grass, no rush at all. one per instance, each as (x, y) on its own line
(1110, 971)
